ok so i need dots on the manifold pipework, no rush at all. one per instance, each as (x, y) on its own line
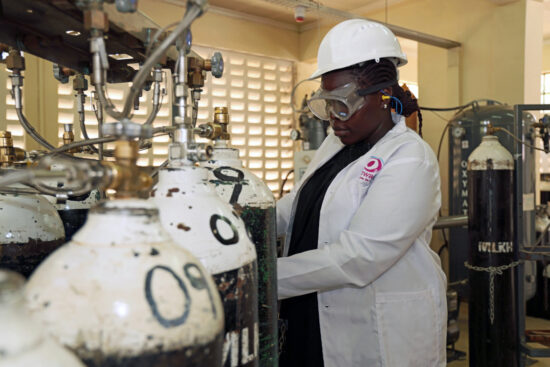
(123, 175)
(16, 63)
(100, 62)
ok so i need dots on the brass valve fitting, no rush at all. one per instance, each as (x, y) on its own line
(195, 75)
(8, 154)
(217, 130)
(126, 178)
(15, 61)
(196, 68)
(68, 138)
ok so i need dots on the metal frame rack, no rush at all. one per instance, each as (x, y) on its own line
(525, 251)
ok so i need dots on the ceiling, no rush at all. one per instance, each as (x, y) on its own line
(283, 10)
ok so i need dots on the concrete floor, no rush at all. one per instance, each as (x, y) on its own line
(462, 343)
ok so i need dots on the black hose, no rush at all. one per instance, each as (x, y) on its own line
(284, 182)
(459, 107)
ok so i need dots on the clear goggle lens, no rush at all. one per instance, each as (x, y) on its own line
(340, 103)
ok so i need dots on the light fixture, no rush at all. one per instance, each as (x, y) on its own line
(121, 57)
(70, 32)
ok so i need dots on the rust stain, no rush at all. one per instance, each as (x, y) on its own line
(238, 208)
(222, 286)
(171, 191)
(183, 227)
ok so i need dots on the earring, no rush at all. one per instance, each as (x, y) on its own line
(385, 106)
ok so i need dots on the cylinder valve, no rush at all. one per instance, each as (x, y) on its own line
(8, 153)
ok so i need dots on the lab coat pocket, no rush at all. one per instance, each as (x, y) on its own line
(407, 329)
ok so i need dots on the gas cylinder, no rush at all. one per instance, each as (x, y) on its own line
(74, 211)
(255, 203)
(202, 223)
(122, 293)
(30, 229)
(22, 340)
(492, 256)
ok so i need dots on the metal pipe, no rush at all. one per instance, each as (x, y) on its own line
(193, 12)
(17, 82)
(451, 221)
(80, 100)
(18, 191)
(100, 65)
(27, 175)
(156, 96)
(31, 131)
(110, 108)
(157, 169)
(78, 144)
(54, 191)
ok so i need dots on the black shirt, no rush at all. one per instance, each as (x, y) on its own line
(302, 339)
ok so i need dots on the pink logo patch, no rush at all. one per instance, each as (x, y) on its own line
(371, 168)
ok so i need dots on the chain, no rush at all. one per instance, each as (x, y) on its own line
(282, 324)
(492, 270)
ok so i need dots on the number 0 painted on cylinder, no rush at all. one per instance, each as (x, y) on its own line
(167, 323)
(214, 219)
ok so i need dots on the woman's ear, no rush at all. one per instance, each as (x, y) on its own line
(385, 98)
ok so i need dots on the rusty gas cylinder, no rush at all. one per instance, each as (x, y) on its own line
(212, 230)
(122, 293)
(30, 230)
(255, 203)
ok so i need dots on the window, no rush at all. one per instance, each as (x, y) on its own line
(256, 90)
(545, 88)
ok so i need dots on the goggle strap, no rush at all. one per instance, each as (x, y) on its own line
(375, 88)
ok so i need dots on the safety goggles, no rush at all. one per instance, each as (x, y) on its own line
(341, 102)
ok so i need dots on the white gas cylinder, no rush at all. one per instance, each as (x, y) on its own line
(198, 220)
(22, 341)
(122, 293)
(256, 206)
(30, 229)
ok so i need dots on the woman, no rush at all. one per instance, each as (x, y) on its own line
(360, 285)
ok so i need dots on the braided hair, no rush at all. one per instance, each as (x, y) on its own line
(370, 73)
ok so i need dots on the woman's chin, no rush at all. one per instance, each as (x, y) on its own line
(347, 139)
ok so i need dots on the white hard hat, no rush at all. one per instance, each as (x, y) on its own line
(354, 41)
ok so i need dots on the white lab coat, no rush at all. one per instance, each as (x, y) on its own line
(381, 289)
